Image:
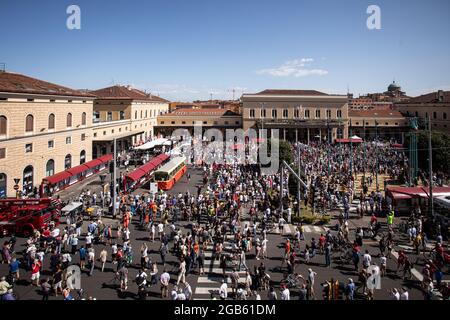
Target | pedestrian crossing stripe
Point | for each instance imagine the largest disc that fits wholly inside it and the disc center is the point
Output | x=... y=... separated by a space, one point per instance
x=204 y=290
x=212 y=280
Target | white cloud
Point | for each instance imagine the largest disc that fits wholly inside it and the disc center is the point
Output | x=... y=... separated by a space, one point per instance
x=294 y=68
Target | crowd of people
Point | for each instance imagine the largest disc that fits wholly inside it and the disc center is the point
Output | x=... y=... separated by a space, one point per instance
x=234 y=202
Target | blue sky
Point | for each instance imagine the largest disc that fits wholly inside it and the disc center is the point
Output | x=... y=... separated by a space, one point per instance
x=187 y=49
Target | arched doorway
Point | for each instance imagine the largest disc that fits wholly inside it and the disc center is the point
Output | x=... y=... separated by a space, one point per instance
x=82 y=157
x=3 y=185
x=50 y=168
x=68 y=162
x=28 y=177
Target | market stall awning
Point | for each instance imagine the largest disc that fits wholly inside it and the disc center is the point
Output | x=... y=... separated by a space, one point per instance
x=351 y=140
x=152 y=144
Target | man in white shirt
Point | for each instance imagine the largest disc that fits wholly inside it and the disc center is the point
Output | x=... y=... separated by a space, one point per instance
x=404 y=295
x=181 y=295
x=285 y=294
x=88 y=240
x=395 y=294
x=174 y=293
x=223 y=291
x=367 y=259
x=164 y=279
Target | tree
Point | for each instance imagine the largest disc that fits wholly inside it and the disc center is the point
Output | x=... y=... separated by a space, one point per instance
x=441 y=151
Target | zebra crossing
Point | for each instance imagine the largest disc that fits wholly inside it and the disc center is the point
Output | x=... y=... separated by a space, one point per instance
x=209 y=284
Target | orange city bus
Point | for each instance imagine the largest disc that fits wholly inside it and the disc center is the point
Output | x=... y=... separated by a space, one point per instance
x=170 y=173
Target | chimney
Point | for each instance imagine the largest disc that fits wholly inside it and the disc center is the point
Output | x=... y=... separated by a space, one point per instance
x=440 y=96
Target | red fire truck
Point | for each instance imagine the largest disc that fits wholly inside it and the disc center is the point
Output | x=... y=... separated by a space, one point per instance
x=24 y=216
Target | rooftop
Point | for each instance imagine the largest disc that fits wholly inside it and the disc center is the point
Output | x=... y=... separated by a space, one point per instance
x=126 y=92
x=432 y=97
x=375 y=113
x=19 y=83
x=201 y=112
x=292 y=92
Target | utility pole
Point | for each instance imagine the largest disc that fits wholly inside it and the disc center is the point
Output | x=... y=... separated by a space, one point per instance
x=114 y=179
x=430 y=166
x=376 y=151
x=299 y=195
x=364 y=147
x=351 y=149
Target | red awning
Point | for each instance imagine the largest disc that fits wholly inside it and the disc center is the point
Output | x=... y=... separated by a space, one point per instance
x=106 y=158
x=61 y=176
x=77 y=170
x=149 y=166
x=93 y=163
x=135 y=175
x=397 y=146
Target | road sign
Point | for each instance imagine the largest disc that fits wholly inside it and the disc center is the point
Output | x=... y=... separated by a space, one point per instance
x=16 y=187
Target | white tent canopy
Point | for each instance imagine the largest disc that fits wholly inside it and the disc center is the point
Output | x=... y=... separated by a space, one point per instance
x=355 y=137
x=152 y=144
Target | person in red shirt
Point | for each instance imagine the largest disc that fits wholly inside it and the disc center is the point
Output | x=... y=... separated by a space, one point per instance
x=35 y=272
x=321 y=243
x=373 y=220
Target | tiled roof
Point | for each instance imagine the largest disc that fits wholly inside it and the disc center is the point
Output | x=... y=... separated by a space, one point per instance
x=122 y=92
x=18 y=83
x=201 y=112
x=428 y=98
x=292 y=92
x=381 y=113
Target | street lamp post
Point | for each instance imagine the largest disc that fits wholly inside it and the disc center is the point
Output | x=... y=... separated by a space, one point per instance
x=102 y=179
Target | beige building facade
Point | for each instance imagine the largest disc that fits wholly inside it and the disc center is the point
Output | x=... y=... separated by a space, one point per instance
x=44 y=129
x=435 y=105
x=125 y=114
x=221 y=119
x=299 y=115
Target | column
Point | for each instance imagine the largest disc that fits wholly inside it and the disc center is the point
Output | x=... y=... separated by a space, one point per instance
x=308 y=134
x=284 y=134
x=296 y=135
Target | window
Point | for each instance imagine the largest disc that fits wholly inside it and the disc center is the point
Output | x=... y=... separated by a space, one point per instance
x=285 y=113
x=28 y=175
x=3 y=125
x=2 y=153
x=172 y=122
x=104 y=133
x=396 y=123
x=112 y=131
x=68 y=140
x=50 y=168
x=386 y=124
x=28 y=148
x=274 y=113
x=328 y=114
x=120 y=129
x=339 y=114
x=69 y=120
x=444 y=116
x=417 y=114
x=146 y=113
x=252 y=113
x=317 y=114
x=83 y=136
x=51 y=121
x=216 y=122
x=29 y=123
x=52 y=100
x=122 y=115
x=135 y=114
x=109 y=116
x=434 y=115
x=162 y=122
x=67 y=162
x=142 y=114
x=82 y=157
x=51 y=144
x=297 y=113
x=96 y=116
x=83 y=119
x=226 y=122
x=307 y=114
x=183 y=122
x=30 y=100
x=69 y=101
x=263 y=113
x=236 y=122
x=205 y=122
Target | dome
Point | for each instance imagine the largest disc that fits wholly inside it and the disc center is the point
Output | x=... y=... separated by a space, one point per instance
x=394 y=87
